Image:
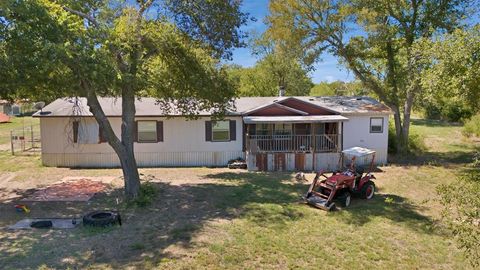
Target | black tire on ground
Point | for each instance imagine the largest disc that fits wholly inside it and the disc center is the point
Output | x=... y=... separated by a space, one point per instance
x=42 y=224
x=345 y=198
x=102 y=218
x=368 y=190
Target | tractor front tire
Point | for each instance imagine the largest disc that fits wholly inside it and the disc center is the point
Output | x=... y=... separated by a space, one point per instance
x=368 y=190
x=345 y=199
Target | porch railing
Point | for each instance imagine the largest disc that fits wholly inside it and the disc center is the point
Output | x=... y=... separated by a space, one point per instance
x=293 y=143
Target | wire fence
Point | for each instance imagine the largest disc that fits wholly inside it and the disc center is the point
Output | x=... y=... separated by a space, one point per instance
x=25 y=140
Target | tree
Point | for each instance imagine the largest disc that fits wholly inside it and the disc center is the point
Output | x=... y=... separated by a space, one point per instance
x=260 y=80
x=338 y=88
x=168 y=49
x=451 y=74
x=374 y=39
x=279 y=67
x=282 y=60
x=460 y=212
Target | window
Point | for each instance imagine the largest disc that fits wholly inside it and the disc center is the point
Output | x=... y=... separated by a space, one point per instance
x=147 y=131
x=85 y=132
x=221 y=131
x=262 y=129
x=283 y=129
x=376 y=125
x=319 y=128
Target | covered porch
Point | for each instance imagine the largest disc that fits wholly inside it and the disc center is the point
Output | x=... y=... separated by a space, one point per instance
x=292 y=142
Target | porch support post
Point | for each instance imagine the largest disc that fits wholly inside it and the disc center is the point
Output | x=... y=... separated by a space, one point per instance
x=314 y=144
x=340 y=137
x=312 y=137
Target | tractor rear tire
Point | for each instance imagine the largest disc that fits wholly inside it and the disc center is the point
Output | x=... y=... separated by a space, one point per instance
x=345 y=199
x=368 y=190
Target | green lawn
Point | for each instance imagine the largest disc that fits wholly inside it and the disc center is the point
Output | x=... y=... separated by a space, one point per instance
x=231 y=219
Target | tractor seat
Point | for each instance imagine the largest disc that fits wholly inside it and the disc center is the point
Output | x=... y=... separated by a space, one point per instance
x=359 y=170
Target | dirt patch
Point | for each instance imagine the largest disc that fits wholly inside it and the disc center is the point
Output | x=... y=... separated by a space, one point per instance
x=68 y=190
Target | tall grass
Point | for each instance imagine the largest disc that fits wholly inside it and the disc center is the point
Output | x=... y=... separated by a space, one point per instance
x=472 y=126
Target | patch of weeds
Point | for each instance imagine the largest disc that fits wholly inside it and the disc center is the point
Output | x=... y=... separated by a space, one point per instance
x=137 y=246
x=147 y=194
x=389 y=200
x=472 y=126
x=185 y=232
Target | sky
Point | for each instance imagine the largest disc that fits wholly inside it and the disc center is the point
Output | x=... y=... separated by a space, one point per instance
x=327 y=69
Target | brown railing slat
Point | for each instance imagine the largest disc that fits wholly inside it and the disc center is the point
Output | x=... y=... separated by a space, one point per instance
x=292 y=143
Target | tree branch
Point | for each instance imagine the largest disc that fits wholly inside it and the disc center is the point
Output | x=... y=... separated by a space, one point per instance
x=83 y=15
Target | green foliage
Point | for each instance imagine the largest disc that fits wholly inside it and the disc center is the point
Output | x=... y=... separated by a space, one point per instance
x=452 y=63
x=146 y=196
x=416 y=144
x=392 y=139
x=472 y=126
x=449 y=110
x=260 y=81
x=322 y=89
x=338 y=88
x=383 y=54
x=431 y=111
x=170 y=50
x=462 y=212
x=279 y=67
x=63 y=51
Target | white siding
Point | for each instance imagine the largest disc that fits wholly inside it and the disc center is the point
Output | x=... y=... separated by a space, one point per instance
x=184 y=144
x=356 y=132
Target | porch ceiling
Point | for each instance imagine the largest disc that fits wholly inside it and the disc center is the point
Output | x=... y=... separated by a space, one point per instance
x=294 y=119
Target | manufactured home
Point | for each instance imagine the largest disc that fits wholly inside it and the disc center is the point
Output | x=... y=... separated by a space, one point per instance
x=270 y=133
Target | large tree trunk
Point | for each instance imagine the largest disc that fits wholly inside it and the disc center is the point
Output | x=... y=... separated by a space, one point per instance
x=123 y=148
x=129 y=165
x=401 y=140
x=130 y=174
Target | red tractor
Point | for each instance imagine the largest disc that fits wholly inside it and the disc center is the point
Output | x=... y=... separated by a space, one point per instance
x=340 y=187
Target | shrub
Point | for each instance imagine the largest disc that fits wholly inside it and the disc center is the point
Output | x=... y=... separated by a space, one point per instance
x=472 y=126
x=392 y=139
x=450 y=110
x=147 y=194
x=415 y=142
x=461 y=212
x=432 y=111
x=456 y=111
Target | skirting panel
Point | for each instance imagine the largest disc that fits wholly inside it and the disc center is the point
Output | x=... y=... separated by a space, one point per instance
x=310 y=162
x=168 y=159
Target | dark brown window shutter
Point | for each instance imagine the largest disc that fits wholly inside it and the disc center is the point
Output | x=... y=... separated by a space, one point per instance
x=75 y=131
x=233 y=130
x=159 y=131
x=208 y=131
x=135 y=131
x=101 y=137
